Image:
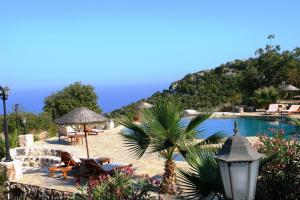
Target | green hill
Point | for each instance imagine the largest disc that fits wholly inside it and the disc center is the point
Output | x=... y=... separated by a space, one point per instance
x=231 y=83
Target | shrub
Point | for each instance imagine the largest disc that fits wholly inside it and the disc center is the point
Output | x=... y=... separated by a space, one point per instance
x=120 y=186
x=265 y=96
x=34 y=122
x=13 y=142
x=279 y=176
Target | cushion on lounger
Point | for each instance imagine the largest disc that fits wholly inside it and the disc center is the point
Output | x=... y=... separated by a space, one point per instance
x=113 y=165
x=70 y=129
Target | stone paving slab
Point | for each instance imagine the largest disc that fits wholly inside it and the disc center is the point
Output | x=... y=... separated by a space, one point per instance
x=41 y=178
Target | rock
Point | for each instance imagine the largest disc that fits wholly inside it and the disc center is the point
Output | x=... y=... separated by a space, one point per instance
x=25 y=140
x=12 y=169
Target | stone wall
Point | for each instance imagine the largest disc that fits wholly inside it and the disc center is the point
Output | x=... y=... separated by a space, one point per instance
x=12 y=170
x=25 y=140
x=34 y=157
x=27 y=158
x=14 y=190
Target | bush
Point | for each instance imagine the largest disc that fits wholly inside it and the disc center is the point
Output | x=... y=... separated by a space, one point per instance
x=279 y=176
x=13 y=142
x=120 y=186
x=34 y=122
x=265 y=96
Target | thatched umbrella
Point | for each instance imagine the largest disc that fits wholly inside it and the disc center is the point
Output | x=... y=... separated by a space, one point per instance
x=296 y=97
x=81 y=116
x=140 y=106
x=288 y=88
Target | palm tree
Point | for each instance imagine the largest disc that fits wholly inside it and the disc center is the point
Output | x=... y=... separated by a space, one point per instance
x=163 y=131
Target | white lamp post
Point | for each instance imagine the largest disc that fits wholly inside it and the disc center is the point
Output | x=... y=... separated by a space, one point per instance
x=238 y=163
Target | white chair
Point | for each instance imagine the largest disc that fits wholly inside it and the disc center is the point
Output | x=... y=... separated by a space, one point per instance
x=273 y=108
x=291 y=110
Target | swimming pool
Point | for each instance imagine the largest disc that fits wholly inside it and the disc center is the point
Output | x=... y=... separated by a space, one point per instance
x=249 y=126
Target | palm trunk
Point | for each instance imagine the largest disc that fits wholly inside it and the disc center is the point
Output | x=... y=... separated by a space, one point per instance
x=168 y=185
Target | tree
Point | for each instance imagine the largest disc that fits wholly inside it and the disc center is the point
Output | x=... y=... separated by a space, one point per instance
x=163 y=131
x=72 y=96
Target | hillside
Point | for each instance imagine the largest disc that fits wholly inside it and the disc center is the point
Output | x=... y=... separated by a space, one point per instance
x=231 y=83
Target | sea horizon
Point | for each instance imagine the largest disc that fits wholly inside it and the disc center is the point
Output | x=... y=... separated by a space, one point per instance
x=109 y=97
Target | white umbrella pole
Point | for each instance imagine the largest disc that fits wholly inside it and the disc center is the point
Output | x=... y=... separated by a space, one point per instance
x=86 y=141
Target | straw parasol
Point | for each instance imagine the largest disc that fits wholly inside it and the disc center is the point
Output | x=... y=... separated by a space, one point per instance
x=288 y=88
x=191 y=112
x=144 y=105
x=296 y=97
x=83 y=116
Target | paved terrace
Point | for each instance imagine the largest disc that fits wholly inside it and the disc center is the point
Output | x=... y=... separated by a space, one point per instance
x=106 y=144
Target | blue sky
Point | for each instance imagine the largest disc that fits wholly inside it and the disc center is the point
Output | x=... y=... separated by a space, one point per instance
x=131 y=47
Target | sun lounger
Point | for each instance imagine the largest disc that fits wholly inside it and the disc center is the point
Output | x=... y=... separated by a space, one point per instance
x=293 y=109
x=94 y=168
x=66 y=165
x=68 y=160
x=273 y=108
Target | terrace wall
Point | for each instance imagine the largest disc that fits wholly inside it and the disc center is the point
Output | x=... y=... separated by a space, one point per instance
x=34 y=157
x=14 y=190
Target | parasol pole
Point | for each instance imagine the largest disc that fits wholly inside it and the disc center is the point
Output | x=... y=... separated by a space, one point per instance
x=86 y=142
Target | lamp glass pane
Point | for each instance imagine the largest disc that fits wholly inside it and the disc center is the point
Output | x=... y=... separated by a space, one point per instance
x=224 y=169
x=253 y=178
x=239 y=179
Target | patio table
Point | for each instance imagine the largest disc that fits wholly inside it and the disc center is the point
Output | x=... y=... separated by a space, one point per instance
x=76 y=138
x=64 y=170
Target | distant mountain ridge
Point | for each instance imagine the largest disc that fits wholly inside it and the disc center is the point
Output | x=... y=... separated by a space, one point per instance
x=231 y=83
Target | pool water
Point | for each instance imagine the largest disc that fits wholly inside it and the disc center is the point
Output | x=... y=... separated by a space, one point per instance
x=249 y=126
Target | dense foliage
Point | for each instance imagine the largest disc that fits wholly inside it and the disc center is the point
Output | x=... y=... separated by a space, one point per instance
x=35 y=123
x=72 y=96
x=279 y=178
x=13 y=142
x=120 y=186
x=232 y=83
x=265 y=96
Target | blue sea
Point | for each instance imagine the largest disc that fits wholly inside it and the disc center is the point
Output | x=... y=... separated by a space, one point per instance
x=110 y=98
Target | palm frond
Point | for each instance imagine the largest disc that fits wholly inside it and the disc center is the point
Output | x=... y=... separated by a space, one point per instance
x=215 y=138
x=195 y=122
x=165 y=125
x=202 y=180
x=135 y=137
